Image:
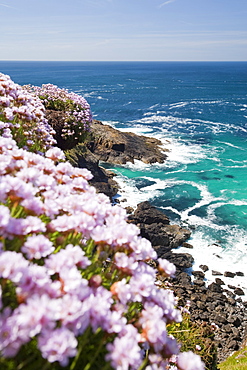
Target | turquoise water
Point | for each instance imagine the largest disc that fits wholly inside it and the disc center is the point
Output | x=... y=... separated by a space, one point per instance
x=199 y=111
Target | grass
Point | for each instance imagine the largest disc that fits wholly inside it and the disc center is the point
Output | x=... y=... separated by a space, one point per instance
x=238 y=361
x=193 y=335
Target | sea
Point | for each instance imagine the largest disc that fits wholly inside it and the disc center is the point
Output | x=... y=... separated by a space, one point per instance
x=199 y=112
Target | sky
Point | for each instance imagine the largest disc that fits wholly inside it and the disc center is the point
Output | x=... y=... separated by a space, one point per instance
x=123 y=30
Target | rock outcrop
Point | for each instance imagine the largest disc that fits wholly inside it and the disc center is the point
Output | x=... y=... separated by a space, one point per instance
x=102 y=179
x=155 y=226
x=116 y=147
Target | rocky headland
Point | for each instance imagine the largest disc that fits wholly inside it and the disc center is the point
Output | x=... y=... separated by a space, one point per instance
x=210 y=304
x=116 y=147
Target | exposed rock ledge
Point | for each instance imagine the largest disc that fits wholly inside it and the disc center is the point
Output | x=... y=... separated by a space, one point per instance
x=116 y=147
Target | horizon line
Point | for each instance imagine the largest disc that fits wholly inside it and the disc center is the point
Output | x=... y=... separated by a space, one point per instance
x=125 y=61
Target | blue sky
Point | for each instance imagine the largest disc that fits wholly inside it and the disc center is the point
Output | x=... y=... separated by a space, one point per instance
x=162 y=30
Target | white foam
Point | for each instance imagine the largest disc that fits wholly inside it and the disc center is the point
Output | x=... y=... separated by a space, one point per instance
x=180 y=152
x=231 y=145
x=130 y=195
x=178 y=105
x=110 y=123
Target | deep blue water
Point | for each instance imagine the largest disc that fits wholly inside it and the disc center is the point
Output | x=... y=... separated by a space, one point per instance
x=199 y=111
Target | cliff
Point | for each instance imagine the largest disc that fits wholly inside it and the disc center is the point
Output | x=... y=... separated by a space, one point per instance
x=211 y=304
x=116 y=147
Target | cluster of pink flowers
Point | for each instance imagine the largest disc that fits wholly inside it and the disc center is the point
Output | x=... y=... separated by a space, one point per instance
x=72 y=267
x=22 y=115
x=76 y=109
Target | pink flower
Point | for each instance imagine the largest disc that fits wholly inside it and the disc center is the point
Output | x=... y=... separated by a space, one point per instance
x=153 y=326
x=124 y=353
x=74 y=314
x=12 y=266
x=142 y=249
x=122 y=291
x=55 y=154
x=69 y=257
x=24 y=226
x=37 y=246
x=189 y=361
x=34 y=206
x=4 y=217
x=73 y=284
x=57 y=345
x=166 y=267
x=125 y=263
x=141 y=286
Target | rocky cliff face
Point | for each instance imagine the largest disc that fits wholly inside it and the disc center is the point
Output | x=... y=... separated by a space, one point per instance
x=102 y=179
x=116 y=147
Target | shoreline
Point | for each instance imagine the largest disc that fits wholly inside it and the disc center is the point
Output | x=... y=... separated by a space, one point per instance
x=210 y=304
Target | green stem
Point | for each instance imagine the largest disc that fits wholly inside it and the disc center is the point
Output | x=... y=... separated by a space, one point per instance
x=81 y=346
x=23 y=364
x=107 y=367
x=143 y=365
x=47 y=366
x=88 y=366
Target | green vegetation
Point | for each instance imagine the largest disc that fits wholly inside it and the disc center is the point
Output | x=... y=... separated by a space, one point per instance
x=238 y=361
x=197 y=337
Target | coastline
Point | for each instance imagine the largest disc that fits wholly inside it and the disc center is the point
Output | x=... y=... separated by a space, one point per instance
x=211 y=302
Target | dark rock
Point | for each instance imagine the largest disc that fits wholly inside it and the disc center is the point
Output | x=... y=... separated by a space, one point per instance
x=199 y=282
x=219 y=281
x=220 y=319
x=154 y=226
x=239 y=291
x=204 y=268
x=237 y=322
x=156 y=234
x=184 y=279
x=231 y=301
x=198 y=274
x=187 y=245
x=216 y=273
x=229 y=274
x=228 y=328
x=239 y=273
x=200 y=305
x=229 y=293
x=129 y=210
x=215 y=288
x=182 y=260
x=216 y=255
x=80 y=157
x=231 y=286
x=148 y=214
x=116 y=147
x=239 y=300
x=233 y=344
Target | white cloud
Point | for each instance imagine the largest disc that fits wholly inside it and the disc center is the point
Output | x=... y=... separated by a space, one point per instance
x=166 y=3
x=7 y=6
